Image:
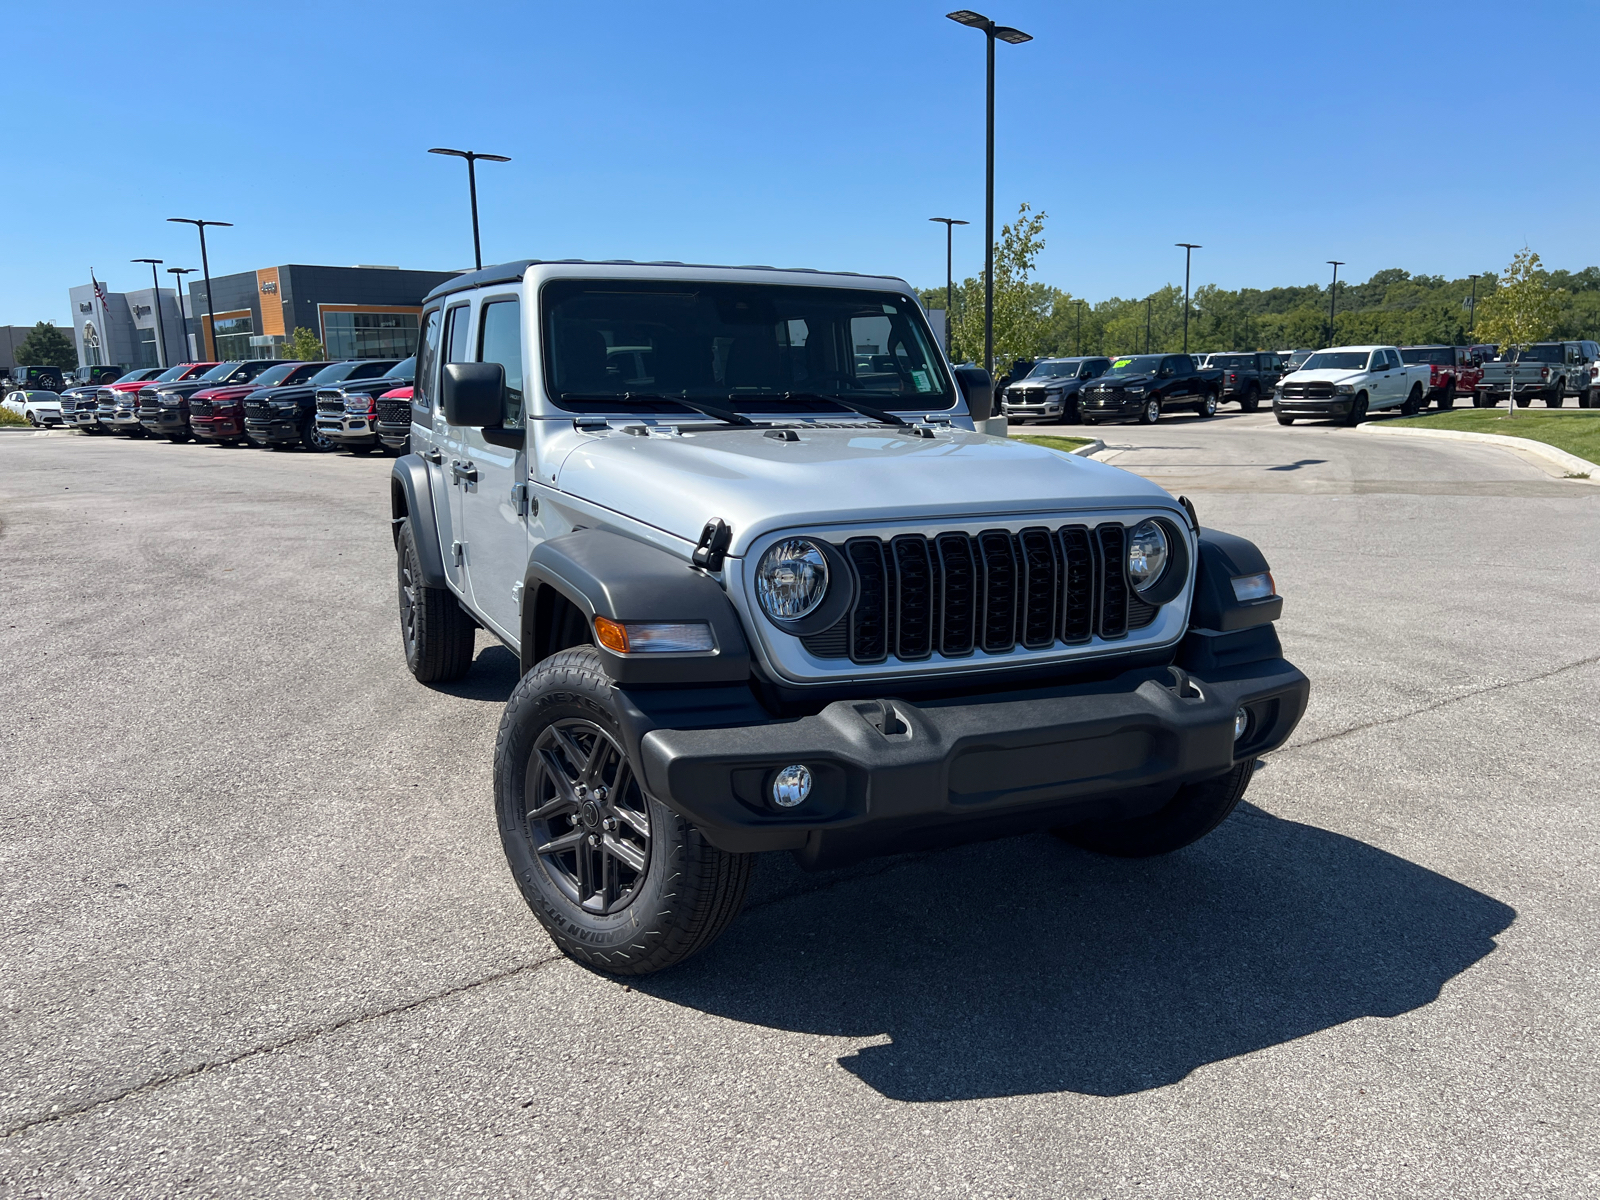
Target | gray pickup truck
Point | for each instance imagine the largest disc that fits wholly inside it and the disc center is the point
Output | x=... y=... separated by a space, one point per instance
x=1547 y=371
x=769 y=592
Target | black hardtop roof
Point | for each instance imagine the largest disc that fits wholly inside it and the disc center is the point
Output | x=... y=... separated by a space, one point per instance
x=510 y=272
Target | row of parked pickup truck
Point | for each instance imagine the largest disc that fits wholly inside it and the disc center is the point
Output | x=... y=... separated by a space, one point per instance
x=1344 y=382
x=359 y=405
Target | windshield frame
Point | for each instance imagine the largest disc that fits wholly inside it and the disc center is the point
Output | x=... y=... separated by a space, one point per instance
x=798 y=401
x=1151 y=364
x=1068 y=368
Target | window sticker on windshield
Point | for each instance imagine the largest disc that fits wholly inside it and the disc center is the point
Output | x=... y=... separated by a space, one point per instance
x=920 y=378
x=1121 y=362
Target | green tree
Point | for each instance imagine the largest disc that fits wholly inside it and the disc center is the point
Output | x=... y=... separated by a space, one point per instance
x=1521 y=310
x=1021 y=306
x=47 y=346
x=302 y=346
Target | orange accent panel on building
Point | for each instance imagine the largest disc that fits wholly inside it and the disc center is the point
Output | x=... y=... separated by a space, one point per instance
x=271 y=302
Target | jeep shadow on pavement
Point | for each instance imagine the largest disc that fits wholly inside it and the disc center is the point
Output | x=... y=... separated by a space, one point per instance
x=769 y=590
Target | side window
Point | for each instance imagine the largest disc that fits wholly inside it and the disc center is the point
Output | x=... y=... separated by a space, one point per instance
x=1393 y=357
x=428 y=360
x=455 y=334
x=500 y=341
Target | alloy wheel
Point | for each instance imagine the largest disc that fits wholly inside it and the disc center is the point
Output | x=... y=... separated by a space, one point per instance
x=587 y=816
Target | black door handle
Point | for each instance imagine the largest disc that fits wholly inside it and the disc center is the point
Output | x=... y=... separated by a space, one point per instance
x=463 y=471
x=433 y=456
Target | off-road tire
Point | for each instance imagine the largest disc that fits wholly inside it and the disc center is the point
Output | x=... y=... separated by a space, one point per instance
x=1555 y=397
x=1358 y=410
x=1586 y=398
x=1447 y=398
x=1251 y=401
x=436 y=632
x=1195 y=811
x=688 y=892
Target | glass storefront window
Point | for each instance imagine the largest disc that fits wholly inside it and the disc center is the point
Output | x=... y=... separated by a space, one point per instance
x=144 y=348
x=369 y=335
x=233 y=338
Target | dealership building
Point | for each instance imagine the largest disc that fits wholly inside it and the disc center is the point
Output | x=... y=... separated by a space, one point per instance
x=355 y=312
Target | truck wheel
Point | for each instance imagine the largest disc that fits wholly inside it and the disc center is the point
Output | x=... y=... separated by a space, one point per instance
x=1283 y=420
x=1208 y=406
x=1358 y=410
x=1195 y=811
x=1586 y=398
x=438 y=635
x=1251 y=401
x=1415 y=402
x=1150 y=413
x=1556 y=396
x=313 y=438
x=1447 y=398
x=1523 y=401
x=619 y=881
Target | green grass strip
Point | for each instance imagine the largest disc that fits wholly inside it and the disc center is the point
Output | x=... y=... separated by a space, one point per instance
x=1575 y=434
x=1064 y=444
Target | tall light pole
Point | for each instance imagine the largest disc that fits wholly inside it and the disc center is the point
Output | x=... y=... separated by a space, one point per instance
x=472 y=157
x=1472 y=308
x=1188 y=249
x=177 y=274
x=1080 y=329
x=949 y=279
x=991 y=31
x=161 y=329
x=210 y=327
x=1333 y=296
x=1147 y=300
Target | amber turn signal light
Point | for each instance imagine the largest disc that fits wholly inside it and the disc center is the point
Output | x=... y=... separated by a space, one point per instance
x=613 y=635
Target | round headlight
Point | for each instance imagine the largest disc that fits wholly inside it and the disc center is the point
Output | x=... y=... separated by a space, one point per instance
x=1147 y=554
x=792 y=579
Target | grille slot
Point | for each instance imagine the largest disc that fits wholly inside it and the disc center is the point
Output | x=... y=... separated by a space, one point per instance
x=199 y=408
x=1308 y=391
x=331 y=403
x=954 y=592
x=394 y=412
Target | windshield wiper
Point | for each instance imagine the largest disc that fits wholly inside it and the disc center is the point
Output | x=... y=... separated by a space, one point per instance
x=866 y=410
x=700 y=406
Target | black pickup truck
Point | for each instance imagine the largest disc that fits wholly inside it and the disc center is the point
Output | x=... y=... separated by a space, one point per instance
x=1140 y=387
x=1246 y=375
x=287 y=416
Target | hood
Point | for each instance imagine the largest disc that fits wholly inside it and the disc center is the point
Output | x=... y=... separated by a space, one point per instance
x=1122 y=381
x=1325 y=376
x=399 y=393
x=834 y=476
x=228 y=391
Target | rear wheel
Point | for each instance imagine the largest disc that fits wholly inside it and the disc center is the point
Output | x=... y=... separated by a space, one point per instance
x=1447 y=398
x=619 y=881
x=1555 y=397
x=1415 y=401
x=1251 y=401
x=437 y=632
x=1195 y=811
x=1208 y=406
x=1150 y=413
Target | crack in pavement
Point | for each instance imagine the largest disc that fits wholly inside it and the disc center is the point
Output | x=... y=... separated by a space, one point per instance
x=161 y=1081
x=1434 y=707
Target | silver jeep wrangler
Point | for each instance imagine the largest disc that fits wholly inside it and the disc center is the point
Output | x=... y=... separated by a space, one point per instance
x=771 y=591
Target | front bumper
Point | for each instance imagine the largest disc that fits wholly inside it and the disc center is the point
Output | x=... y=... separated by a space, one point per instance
x=395 y=436
x=1331 y=406
x=890 y=775
x=164 y=422
x=274 y=432
x=218 y=427
x=348 y=429
x=122 y=420
x=1129 y=406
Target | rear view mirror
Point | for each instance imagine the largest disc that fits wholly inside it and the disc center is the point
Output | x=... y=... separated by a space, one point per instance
x=978 y=391
x=473 y=394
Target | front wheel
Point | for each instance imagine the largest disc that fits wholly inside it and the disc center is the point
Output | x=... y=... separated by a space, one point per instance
x=1555 y=397
x=1150 y=413
x=314 y=439
x=438 y=635
x=1195 y=811
x=1358 y=410
x=1283 y=420
x=1586 y=398
x=1523 y=401
x=619 y=881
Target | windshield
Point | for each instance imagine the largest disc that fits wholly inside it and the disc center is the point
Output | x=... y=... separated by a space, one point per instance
x=1336 y=360
x=1231 y=362
x=1061 y=367
x=1442 y=356
x=334 y=374
x=1544 y=354
x=1139 y=364
x=405 y=369
x=220 y=371
x=752 y=347
x=273 y=376
x=170 y=374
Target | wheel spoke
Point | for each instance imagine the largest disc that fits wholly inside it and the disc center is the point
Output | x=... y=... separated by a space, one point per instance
x=608 y=878
x=565 y=842
x=557 y=771
x=574 y=753
x=635 y=820
x=591 y=764
x=631 y=856
x=550 y=809
x=585 y=868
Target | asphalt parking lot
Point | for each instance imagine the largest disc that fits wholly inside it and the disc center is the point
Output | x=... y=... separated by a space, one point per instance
x=261 y=941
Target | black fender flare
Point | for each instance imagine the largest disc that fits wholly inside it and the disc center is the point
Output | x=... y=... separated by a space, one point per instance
x=1223 y=558
x=411 y=496
x=608 y=575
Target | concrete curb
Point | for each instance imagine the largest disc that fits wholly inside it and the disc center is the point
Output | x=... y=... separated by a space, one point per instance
x=1093 y=447
x=1570 y=463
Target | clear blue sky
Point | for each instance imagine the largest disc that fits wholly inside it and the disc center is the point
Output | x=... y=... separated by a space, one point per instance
x=819 y=134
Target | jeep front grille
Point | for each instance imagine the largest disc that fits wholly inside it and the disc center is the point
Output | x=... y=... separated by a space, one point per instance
x=995 y=591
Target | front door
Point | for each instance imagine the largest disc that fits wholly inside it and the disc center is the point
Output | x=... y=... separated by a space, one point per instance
x=494 y=518
x=444 y=453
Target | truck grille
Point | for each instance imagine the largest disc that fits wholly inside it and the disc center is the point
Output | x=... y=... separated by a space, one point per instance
x=1104 y=395
x=330 y=402
x=258 y=410
x=199 y=408
x=1308 y=391
x=955 y=593
x=394 y=412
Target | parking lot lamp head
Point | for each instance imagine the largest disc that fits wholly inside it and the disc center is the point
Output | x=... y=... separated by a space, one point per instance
x=161 y=329
x=949 y=280
x=208 y=331
x=1188 y=249
x=1333 y=293
x=1005 y=33
x=472 y=157
x=177 y=274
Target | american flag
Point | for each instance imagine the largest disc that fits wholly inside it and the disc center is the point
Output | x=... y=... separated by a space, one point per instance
x=98 y=290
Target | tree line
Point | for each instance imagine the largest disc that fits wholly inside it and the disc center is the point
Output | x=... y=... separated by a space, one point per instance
x=1033 y=319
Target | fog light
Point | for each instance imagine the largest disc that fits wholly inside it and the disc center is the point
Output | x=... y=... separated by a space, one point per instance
x=791 y=786
x=1241 y=722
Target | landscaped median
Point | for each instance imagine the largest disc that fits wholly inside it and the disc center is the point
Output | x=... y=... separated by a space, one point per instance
x=1574 y=437
x=1067 y=445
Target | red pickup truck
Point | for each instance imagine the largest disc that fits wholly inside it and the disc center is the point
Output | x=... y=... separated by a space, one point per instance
x=1451 y=369
x=217 y=414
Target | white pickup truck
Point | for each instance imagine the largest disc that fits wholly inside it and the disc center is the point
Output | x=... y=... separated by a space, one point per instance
x=1348 y=382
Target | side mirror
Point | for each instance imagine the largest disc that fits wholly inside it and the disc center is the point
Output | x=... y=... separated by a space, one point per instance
x=473 y=393
x=978 y=391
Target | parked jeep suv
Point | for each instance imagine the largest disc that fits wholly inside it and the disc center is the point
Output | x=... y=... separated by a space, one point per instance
x=283 y=417
x=1247 y=376
x=769 y=597
x=347 y=413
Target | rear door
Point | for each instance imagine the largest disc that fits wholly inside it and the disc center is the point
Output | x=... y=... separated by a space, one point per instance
x=445 y=449
x=495 y=525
